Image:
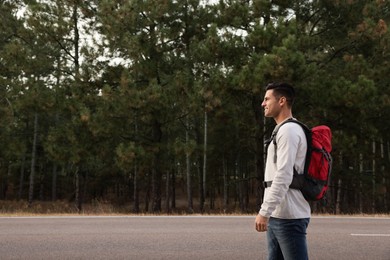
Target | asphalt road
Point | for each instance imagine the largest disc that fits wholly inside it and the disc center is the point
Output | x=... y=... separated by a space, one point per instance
x=190 y=237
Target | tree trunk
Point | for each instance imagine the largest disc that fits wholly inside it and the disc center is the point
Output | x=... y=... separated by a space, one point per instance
x=361 y=169
x=188 y=170
x=5 y=186
x=21 y=180
x=385 y=196
x=41 y=182
x=338 y=199
x=200 y=170
x=135 y=183
x=77 y=190
x=240 y=191
x=76 y=40
x=245 y=195
x=167 y=192
x=33 y=161
x=373 y=203
x=55 y=166
x=225 y=185
x=156 y=169
x=147 y=195
x=156 y=188
x=383 y=190
x=204 y=188
x=173 y=193
x=54 y=183
x=135 y=192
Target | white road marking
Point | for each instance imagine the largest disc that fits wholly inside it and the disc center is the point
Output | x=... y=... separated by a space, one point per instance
x=371 y=235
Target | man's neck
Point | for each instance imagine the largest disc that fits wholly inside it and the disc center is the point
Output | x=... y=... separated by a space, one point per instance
x=282 y=117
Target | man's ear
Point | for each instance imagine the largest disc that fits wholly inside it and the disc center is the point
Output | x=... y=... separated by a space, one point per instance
x=282 y=101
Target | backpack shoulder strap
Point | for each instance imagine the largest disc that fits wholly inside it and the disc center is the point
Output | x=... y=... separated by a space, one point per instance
x=273 y=137
x=306 y=130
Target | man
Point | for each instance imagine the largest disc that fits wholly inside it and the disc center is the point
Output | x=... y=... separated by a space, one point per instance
x=285 y=213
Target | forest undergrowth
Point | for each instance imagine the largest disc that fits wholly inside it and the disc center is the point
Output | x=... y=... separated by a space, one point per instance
x=21 y=208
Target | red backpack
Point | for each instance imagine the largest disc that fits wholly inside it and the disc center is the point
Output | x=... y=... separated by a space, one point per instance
x=314 y=181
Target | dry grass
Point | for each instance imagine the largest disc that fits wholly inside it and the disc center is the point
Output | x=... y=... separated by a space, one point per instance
x=103 y=208
x=21 y=208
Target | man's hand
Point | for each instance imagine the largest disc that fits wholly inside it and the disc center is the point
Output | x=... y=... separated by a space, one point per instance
x=261 y=223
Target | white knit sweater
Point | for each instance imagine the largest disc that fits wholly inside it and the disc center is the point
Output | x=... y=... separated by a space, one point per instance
x=280 y=201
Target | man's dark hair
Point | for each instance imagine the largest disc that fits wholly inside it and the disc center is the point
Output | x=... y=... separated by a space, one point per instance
x=282 y=89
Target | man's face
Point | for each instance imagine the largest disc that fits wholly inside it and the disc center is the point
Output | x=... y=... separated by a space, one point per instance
x=271 y=104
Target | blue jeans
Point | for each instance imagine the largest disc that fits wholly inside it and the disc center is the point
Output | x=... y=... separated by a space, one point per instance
x=287 y=239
